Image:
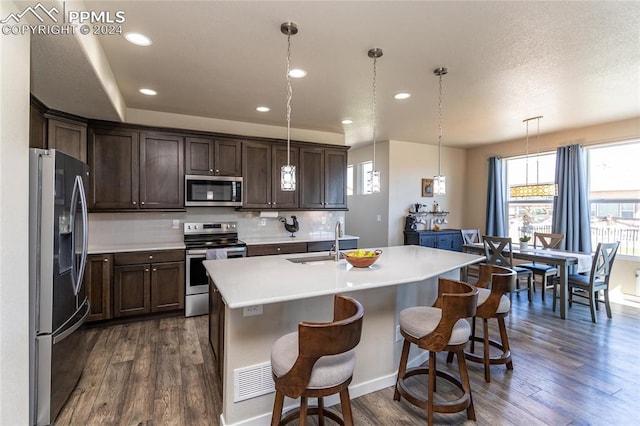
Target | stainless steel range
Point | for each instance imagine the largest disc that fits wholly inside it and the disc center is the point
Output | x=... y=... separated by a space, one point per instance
x=203 y=241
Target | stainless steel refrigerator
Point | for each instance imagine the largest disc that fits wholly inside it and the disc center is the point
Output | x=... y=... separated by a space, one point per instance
x=58 y=303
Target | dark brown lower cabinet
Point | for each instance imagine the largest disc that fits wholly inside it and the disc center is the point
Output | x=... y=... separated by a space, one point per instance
x=154 y=286
x=97 y=279
x=216 y=328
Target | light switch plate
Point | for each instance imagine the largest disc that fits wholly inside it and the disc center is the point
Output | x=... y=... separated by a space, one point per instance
x=175 y=224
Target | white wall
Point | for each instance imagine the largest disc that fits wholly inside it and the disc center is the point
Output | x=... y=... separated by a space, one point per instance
x=14 y=207
x=403 y=165
x=410 y=162
x=362 y=218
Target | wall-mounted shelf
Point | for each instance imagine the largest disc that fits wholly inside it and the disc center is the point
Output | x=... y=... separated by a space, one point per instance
x=436 y=214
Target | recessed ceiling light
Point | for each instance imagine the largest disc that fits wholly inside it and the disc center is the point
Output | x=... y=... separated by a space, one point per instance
x=297 y=73
x=149 y=92
x=138 y=39
x=402 y=95
x=347 y=121
x=263 y=109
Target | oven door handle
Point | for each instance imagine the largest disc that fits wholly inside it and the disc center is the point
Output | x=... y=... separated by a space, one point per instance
x=203 y=252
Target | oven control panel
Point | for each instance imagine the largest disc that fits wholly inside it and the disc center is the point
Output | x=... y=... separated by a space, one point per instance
x=210 y=228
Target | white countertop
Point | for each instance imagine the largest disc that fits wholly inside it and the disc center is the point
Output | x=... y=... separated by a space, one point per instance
x=250 y=241
x=119 y=248
x=270 y=279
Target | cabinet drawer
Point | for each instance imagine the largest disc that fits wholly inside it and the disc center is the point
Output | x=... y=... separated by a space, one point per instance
x=271 y=249
x=139 y=257
x=328 y=245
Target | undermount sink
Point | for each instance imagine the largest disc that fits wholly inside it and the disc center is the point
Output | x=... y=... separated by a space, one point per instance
x=312 y=259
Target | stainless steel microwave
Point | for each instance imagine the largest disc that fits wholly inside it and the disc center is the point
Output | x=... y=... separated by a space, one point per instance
x=212 y=191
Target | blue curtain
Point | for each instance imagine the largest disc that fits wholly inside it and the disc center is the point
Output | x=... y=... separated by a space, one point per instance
x=571 y=206
x=495 y=225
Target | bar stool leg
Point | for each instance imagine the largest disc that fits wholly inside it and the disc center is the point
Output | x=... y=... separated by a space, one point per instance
x=505 y=341
x=432 y=386
x=303 y=411
x=487 y=361
x=277 y=409
x=402 y=368
x=466 y=385
x=320 y=411
x=345 y=402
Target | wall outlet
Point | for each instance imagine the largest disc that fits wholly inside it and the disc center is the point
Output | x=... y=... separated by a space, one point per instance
x=323 y=220
x=398 y=334
x=249 y=311
x=263 y=222
x=175 y=224
x=379 y=218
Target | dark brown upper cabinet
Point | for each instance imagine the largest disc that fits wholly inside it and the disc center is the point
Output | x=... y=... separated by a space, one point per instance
x=213 y=156
x=68 y=137
x=261 y=163
x=135 y=171
x=323 y=178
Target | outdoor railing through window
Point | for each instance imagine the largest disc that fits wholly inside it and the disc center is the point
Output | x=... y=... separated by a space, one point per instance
x=629 y=239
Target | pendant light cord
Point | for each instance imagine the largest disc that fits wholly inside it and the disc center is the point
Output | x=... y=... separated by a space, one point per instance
x=289 y=95
x=375 y=60
x=526 y=177
x=439 y=123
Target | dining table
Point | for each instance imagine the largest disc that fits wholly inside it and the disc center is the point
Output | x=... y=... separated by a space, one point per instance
x=564 y=261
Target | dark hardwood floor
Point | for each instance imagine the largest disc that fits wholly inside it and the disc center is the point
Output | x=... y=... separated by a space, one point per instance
x=565 y=372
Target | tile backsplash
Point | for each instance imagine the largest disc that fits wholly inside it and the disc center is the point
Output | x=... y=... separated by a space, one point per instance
x=156 y=227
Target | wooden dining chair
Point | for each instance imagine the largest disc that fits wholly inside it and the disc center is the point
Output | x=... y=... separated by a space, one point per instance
x=589 y=286
x=317 y=361
x=546 y=272
x=471 y=236
x=499 y=251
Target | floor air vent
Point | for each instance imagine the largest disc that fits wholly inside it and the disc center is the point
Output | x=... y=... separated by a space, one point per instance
x=252 y=381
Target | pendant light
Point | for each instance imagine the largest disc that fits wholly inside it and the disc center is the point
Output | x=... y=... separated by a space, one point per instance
x=537 y=190
x=288 y=171
x=439 y=181
x=374 y=175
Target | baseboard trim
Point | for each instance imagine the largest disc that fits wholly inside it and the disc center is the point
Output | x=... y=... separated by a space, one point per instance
x=354 y=391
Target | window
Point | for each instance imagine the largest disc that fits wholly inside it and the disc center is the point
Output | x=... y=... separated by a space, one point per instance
x=614 y=194
x=350 y=179
x=365 y=177
x=539 y=211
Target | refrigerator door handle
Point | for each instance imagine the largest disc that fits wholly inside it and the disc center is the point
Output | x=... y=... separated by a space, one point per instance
x=85 y=233
x=78 y=270
x=60 y=337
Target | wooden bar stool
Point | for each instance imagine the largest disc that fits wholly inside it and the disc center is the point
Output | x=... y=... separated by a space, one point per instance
x=317 y=361
x=436 y=329
x=493 y=283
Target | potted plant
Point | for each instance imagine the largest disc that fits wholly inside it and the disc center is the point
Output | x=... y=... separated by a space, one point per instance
x=524 y=242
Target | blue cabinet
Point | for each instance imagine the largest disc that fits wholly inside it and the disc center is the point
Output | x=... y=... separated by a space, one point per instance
x=446 y=239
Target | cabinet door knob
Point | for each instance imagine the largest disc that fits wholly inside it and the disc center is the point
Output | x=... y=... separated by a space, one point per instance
x=106 y=259
x=278 y=248
x=155 y=270
x=134 y=203
x=146 y=269
x=142 y=203
x=217 y=171
x=274 y=203
x=210 y=170
x=150 y=256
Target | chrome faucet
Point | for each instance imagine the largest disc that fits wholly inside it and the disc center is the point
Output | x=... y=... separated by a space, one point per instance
x=336 y=244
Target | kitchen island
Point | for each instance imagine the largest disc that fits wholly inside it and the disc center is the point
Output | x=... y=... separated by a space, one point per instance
x=256 y=300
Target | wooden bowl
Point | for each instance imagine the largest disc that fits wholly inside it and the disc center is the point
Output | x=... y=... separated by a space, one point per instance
x=361 y=262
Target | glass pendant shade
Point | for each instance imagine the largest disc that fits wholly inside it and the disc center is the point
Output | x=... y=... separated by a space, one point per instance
x=288 y=178
x=532 y=191
x=439 y=185
x=375 y=181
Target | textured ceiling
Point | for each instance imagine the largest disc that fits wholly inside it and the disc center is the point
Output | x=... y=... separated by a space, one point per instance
x=576 y=63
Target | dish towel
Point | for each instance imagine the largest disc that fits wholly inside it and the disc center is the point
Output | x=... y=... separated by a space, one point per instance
x=216 y=254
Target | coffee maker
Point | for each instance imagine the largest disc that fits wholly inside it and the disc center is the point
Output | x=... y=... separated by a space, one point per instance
x=410 y=223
